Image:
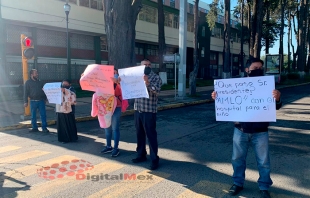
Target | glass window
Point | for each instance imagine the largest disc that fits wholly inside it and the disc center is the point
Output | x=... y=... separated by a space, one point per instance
x=172 y=3
x=148 y=14
x=152 y=50
x=202 y=54
x=203 y=31
x=84 y=3
x=191 y=8
x=212 y=56
x=94 y=4
x=70 y=1
x=190 y=24
x=103 y=43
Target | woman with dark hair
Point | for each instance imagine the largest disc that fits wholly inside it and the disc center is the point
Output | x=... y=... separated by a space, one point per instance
x=66 y=126
x=115 y=123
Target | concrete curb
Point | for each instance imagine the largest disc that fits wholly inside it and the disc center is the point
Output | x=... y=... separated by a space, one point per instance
x=27 y=124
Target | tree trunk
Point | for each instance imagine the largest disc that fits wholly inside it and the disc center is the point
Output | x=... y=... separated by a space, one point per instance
x=227 y=35
x=289 y=41
x=281 y=34
x=256 y=28
x=258 y=34
x=308 y=44
x=249 y=20
x=161 y=36
x=253 y=27
x=120 y=21
x=267 y=22
x=302 y=36
x=193 y=74
x=294 y=64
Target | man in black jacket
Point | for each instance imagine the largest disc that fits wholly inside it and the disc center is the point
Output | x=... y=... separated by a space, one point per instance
x=255 y=133
x=33 y=89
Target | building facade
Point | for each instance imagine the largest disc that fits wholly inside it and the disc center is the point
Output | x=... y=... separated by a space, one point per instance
x=45 y=21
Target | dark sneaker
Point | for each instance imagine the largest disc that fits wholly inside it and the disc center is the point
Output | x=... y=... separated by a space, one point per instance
x=45 y=131
x=264 y=194
x=115 y=152
x=106 y=150
x=34 y=130
x=139 y=159
x=234 y=190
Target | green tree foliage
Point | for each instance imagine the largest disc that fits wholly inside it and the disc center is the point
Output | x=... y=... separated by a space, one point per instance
x=212 y=13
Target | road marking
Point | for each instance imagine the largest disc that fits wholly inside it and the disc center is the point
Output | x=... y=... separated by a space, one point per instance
x=26 y=171
x=51 y=187
x=199 y=190
x=8 y=148
x=125 y=187
x=21 y=157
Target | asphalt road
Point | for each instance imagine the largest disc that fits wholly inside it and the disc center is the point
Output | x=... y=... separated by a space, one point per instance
x=195 y=153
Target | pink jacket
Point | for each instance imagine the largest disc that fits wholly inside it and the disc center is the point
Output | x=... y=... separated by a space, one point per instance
x=103 y=106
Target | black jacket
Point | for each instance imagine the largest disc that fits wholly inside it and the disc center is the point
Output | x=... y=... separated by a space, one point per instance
x=33 y=90
x=255 y=127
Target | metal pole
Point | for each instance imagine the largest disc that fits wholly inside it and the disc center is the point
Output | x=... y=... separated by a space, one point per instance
x=68 y=56
x=182 y=48
x=175 y=76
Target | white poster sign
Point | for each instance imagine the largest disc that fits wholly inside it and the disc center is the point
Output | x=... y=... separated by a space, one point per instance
x=53 y=92
x=245 y=99
x=132 y=82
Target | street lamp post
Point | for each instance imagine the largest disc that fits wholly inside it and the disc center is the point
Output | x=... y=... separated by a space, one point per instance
x=67 y=8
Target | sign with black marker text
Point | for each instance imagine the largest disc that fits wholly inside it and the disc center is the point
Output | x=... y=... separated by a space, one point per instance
x=245 y=99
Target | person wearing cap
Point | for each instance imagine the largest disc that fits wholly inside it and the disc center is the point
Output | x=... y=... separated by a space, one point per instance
x=255 y=134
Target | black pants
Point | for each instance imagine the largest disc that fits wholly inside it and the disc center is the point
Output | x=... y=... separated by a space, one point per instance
x=146 y=126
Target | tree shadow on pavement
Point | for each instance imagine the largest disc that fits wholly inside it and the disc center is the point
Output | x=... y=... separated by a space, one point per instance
x=11 y=191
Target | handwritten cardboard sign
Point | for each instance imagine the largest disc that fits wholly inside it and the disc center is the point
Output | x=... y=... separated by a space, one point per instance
x=245 y=99
x=132 y=82
x=53 y=92
x=98 y=78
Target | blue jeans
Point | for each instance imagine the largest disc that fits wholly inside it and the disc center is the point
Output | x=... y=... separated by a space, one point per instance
x=34 y=105
x=241 y=143
x=116 y=117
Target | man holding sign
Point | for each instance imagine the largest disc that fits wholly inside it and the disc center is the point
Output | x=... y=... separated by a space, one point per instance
x=145 y=117
x=255 y=133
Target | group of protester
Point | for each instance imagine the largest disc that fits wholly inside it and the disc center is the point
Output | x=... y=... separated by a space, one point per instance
x=245 y=133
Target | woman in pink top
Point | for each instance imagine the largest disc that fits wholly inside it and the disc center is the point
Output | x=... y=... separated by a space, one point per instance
x=115 y=121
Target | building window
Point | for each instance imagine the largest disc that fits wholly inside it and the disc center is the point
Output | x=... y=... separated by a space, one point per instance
x=80 y=41
x=172 y=3
x=219 y=19
x=212 y=56
x=94 y=4
x=84 y=3
x=191 y=8
x=203 y=31
x=152 y=50
x=103 y=43
x=202 y=54
x=190 y=24
x=217 y=32
x=70 y=1
x=139 y=49
x=148 y=14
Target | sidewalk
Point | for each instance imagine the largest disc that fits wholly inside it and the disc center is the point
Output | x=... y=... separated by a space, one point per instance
x=11 y=111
